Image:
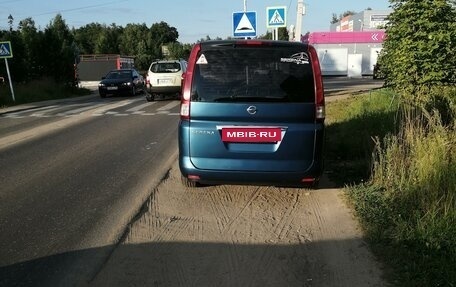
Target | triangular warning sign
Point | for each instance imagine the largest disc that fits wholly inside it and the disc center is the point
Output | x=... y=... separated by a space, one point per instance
x=244 y=25
x=202 y=60
x=276 y=18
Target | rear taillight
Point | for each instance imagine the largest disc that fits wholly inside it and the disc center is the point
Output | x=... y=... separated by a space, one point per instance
x=319 y=90
x=187 y=83
x=320 y=112
x=185 y=110
x=308 y=180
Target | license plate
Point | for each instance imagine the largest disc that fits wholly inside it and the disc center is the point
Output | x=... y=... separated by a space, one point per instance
x=251 y=135
x=112 y=88
x=165 y=81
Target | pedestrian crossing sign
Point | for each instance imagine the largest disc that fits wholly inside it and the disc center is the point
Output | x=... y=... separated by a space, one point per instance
x=244 y=24
x=276 y=17
x=5 y=50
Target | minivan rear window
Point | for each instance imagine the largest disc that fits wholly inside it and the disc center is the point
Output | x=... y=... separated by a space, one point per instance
x=253 y=73
x=165 y=67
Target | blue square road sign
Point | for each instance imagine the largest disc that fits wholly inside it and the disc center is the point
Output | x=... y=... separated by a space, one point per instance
x=276 y=17
x=244 y=24
x=5 y=50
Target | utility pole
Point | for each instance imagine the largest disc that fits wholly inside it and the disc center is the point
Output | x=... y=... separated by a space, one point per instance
x=301 y=11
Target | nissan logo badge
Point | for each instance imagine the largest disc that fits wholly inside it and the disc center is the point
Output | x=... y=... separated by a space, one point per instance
x=252 y=110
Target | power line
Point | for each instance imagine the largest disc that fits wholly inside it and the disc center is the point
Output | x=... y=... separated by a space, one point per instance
x=81 y=8
x=71 y=9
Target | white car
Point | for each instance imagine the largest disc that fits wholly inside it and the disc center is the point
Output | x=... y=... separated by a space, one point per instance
x=164 y=78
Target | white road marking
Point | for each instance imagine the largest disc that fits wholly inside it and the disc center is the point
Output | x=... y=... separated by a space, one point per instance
x=45 y=113
x=169 y=106
x=140 y=107
x=98 y=109
x=81 y=110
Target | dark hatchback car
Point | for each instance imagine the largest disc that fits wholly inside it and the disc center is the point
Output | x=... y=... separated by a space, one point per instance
x=121 y=82
x=252 y=112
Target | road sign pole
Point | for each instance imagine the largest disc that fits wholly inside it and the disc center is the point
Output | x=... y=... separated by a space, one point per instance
x=9 y=79
x=245 y=10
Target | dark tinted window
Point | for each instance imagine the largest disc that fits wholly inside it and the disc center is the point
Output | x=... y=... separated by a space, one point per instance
x=165 y=67
x=119 y=75
x=266 y=74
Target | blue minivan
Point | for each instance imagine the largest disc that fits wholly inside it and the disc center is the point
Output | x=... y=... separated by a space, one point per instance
x=252 y=112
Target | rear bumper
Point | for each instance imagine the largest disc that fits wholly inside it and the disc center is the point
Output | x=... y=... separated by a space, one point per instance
x=255 y=178
x=164 y=90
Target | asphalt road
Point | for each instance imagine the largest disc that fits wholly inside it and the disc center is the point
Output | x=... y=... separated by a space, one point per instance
x=337 y=85
x=75 y=172
x=73 y=176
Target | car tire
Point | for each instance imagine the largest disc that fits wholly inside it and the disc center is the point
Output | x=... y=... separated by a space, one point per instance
x=133 y=91
x=315 y=184
x=102 y=95
x=149 y=97
x=188 y=183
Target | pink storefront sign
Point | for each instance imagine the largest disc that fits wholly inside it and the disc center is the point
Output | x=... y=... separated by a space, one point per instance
x=345 y=37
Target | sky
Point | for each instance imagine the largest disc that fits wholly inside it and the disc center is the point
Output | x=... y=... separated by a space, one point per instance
x=193 y=19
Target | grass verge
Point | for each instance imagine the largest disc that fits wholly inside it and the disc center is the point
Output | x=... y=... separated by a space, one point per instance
x=351 y=125
x=399 y=167
x=36 y=91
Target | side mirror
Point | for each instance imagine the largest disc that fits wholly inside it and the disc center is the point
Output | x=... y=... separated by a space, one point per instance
x=103 y=78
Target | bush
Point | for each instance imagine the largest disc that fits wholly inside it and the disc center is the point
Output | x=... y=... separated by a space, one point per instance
x=40 y=90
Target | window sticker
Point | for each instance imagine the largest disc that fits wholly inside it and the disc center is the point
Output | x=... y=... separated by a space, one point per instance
x=202 y=60
x=298 y=58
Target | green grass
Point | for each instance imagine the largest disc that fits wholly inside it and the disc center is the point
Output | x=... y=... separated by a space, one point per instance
x=36 y=91
x=351 y=125
x=406 y=201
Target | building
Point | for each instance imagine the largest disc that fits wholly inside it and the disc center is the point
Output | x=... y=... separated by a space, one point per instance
x=367 y=20
x=352 y=45
x=93 y=67
x=351 y=54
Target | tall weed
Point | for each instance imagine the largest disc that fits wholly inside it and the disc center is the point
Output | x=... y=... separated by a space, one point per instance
x=413 y=183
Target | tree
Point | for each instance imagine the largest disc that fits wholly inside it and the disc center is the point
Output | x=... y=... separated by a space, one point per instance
x=179 y=51
x=10 y=22
x=160 y=34
x=59 y=54
x=134 y=42
x=87 y=37
x=283 y=35
x=208 y=38
x=31 y=41
x=419 y=49
x=336 y=19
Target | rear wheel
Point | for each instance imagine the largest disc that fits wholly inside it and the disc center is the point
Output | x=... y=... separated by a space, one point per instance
x=149 y=97
x=315 y=184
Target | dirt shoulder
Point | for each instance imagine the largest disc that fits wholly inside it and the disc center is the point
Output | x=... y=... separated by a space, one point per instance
x=242 y=236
